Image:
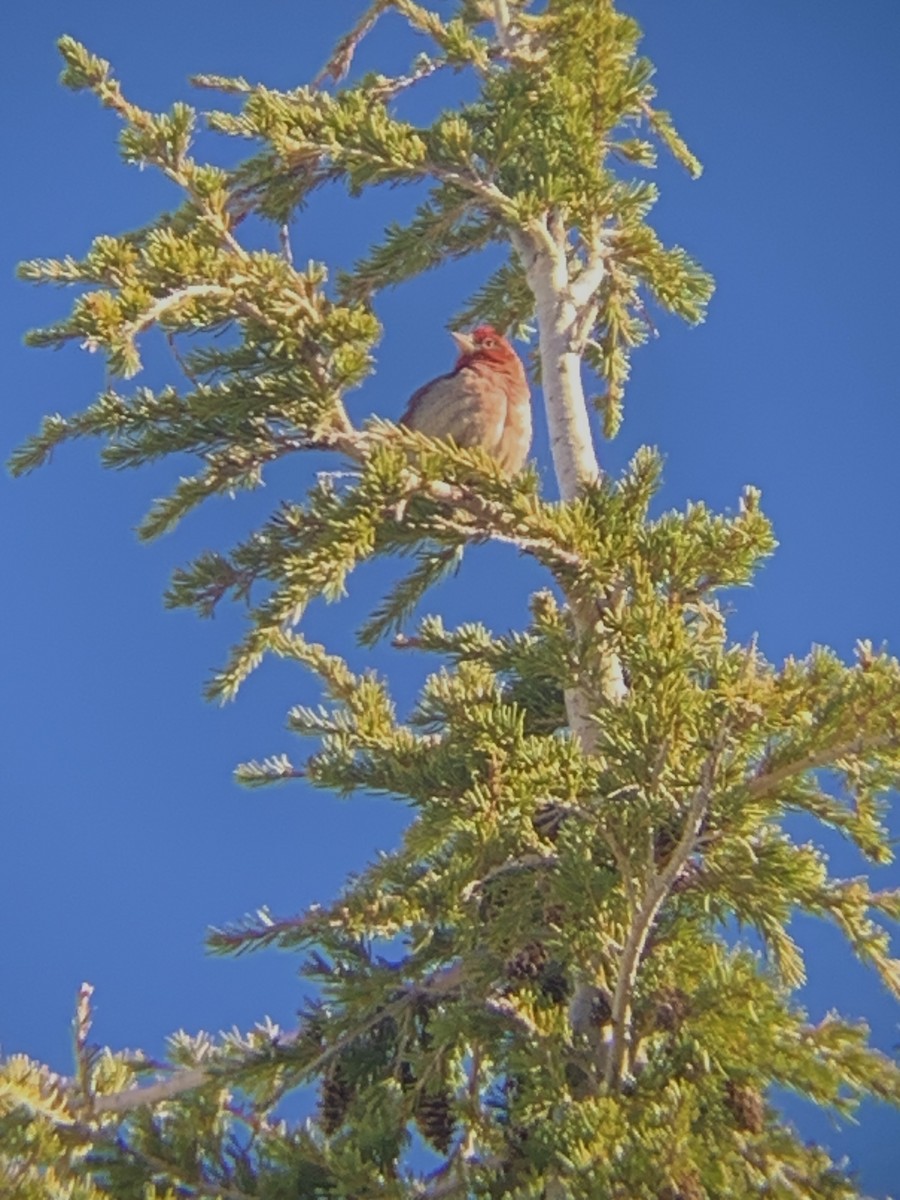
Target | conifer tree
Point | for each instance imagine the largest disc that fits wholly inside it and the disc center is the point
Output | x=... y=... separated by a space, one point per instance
x=597 y=797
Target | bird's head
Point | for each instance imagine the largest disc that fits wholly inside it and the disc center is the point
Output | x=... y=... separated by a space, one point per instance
x=483 y=344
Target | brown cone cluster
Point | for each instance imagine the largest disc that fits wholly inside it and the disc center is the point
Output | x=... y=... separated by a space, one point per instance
x=747 y=1106
x=335 y=1096
x=672 y=1008
x=527 y=963
x=532 y=964
x=688 y=1187
x=435 y=1121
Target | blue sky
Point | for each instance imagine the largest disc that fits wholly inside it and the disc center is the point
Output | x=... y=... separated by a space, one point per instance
x=124 y=835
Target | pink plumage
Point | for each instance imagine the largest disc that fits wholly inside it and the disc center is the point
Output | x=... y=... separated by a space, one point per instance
x=484 y=401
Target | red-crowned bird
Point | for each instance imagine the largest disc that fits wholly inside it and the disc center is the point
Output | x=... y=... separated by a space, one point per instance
x=484 y=401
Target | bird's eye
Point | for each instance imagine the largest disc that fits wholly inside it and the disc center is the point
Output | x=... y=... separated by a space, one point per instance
x=488 y=343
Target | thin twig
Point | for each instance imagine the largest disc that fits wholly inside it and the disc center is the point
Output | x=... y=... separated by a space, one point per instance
x=180 y=359
x=440 y=983
x=444 y=1185
x=82 y=1027
x=403 y=641
x=621 y=860
x=192 y=291
x=342 y=56
x=394 y=85
x=644 y=314
x=526 y=862
x=160 y=1166
x=767 y=781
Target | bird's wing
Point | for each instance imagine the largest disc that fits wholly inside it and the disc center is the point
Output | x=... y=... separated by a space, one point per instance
x=465 y=405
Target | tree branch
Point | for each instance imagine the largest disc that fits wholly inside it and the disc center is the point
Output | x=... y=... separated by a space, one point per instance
x=153 y=1093
x=585 y=284
x=571 y=442
x=448 y=1184
x=193 y=291
x=526 y=862
x=502 y=22
x=767 y=781
x=622 y=863
x=543 y=256
x=157 y=1165
x=541 y=548
x=358 y=446
x=654 y=897
x=342 y=56
x=392 y=86
x=440 y=983
x=490 y=196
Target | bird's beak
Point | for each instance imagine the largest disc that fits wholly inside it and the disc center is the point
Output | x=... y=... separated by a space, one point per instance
x=464 y=343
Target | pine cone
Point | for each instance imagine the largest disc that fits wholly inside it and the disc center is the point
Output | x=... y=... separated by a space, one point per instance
x=335 y=1095
x=688 y=1187
x=435 y=1120
x=747 y=1105
x=601 y=1008
x=547 y=821
x=672 y=1006
x=665 y=839
x=527 y=963
x=554 y=983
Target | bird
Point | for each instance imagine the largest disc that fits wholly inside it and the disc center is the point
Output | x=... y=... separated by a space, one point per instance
x=484 y=401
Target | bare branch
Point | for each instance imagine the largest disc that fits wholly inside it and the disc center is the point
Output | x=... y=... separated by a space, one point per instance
x=342 y=56
x=193 y=291
x=153 y=1093
x=586 y=283
x=181 y=361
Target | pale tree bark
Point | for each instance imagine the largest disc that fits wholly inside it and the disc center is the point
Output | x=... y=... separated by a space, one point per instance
x=560 y=320
x=543 y=255
x=565 y=308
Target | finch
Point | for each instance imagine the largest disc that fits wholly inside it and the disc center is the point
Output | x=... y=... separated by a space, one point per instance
x=484 y=401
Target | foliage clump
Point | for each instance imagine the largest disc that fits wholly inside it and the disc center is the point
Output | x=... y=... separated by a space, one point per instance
x=538 y=983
